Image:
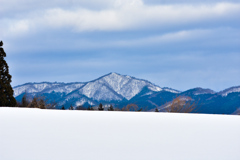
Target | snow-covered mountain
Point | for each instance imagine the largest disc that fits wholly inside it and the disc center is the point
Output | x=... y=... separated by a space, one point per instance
x=121 y=90
x=46 y=87
x=171 y=90
x=198 y=91
x=110 y=87
x=114 y=86
x=225 y=92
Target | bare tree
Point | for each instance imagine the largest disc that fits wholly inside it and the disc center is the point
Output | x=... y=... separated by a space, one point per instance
x=51 y=105
x=130 y=107
x=40 y=102
x=237 y=112
x=33 y=103
x=181 y=105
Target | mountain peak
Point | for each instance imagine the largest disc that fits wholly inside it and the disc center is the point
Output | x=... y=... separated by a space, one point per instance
x=199 y=91
x=114 y=74
x=112 y=86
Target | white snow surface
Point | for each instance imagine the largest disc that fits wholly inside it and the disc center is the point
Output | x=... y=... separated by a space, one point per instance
x=34 y=134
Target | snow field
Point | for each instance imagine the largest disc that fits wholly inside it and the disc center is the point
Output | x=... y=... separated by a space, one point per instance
x=34 y=134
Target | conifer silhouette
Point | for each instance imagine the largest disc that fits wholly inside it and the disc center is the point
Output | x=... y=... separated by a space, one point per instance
x=6 y=91
x=100 y=108
x=110 y=108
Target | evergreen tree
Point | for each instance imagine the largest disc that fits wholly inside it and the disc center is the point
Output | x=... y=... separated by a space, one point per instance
x=25 y=101
x=71 y=107
x=110 y=108
x=63 y=108
x=90 y=108
x=6 y=91
x=100 y=108
x=156 y=110
x=80 y=108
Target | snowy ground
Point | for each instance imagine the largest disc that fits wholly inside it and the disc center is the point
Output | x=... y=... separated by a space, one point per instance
x=34 y=134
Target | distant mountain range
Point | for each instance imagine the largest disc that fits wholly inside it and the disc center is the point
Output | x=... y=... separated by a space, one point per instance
x=120 y=90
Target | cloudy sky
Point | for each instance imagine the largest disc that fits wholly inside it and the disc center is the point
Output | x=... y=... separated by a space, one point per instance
x=173 y=43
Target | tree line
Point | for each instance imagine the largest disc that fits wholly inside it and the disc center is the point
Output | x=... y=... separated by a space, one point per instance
x=178 y=105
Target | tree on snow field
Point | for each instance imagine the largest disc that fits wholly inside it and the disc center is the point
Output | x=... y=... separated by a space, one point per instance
x=6 y=91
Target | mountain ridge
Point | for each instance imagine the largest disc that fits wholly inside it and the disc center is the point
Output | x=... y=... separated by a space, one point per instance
x=117 y=89
x=115 y=86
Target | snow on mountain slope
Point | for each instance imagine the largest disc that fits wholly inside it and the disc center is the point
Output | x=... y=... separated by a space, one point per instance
x=83 y=101
x=115 y=81
x=171 y=90
x=46 y=87
x=199 y=91
x=33 y=87
x=98 y=91
x=35 y=134
x=66 y=88
x=225 y=92
x=110 y=87
x=75 y=100
x=127 y=86
x=115 y=87
x=132 y=88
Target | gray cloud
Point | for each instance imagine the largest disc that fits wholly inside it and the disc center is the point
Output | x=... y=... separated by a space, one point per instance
x=129 y=15
x=179 y=44
x=187 y=1
x=178 y=70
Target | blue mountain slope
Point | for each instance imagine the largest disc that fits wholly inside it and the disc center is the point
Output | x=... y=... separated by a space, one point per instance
x=121 y=90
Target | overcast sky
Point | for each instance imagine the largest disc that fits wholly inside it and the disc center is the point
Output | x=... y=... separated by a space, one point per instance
x=180 y=44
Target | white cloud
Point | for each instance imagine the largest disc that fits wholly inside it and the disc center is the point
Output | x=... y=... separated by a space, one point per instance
x=19 y=27
x=172 y=37
x=42 y=32
x=122 y=15
x=83 y=20
x=199 y=37
x=135 y=15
